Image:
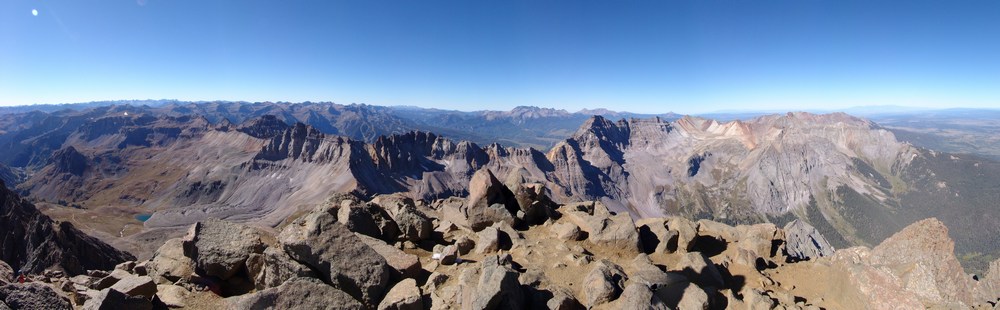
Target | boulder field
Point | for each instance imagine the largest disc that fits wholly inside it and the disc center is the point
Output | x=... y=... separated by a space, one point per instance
x=515 y=249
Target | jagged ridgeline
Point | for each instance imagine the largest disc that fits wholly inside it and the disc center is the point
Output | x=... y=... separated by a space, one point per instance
x=848 y=177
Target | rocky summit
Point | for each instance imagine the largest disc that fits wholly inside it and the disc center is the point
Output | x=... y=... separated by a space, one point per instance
x=338 y=255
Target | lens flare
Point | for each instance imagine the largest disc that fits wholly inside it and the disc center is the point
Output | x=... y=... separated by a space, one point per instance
x=34 y=12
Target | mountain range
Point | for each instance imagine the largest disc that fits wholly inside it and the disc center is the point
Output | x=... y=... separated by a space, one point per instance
x=173 y=164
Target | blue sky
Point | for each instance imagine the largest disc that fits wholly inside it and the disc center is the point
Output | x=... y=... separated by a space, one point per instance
x=642 y=56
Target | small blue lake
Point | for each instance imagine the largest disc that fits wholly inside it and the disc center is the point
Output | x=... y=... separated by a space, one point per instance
x=143 y=217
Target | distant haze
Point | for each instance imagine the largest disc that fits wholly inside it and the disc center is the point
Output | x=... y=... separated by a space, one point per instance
x=645 y=57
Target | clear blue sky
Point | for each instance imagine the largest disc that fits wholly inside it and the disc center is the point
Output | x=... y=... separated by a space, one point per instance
x=642 y=56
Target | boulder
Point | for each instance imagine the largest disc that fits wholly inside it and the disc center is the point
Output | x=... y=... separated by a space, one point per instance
x=489 y=201
x=566 y=231
x=602 y=227
x=465 y=245
x=488 y=240
x=687 y=231
x=803 y=242
x=639 y=296
x=563 y=299
x=718 y=231
x=169 y=263
x=699 y=269
x=761 y=240
x=221 y=249
x=111 y=299
x=497 y=288
x=274 y=267
x=109 y=280
x=923 y=257
x=413 y=225
x=534 y=203
x=656 y=237
x=32 y=296
x=340 y=257
x=297 y=293
x=604 y=283
x=644 y=272
x=447 y=254
x=172 y=295
x=405 y=295
x=136 y=286
x=403 y=265
x=368 y=219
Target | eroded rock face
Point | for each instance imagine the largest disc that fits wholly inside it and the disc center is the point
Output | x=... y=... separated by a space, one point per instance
x=805 y=242
x=988 y=289
x=220 y=248
x=34 y=242
x=922 y=255
x=298 y=293
x=342 y=259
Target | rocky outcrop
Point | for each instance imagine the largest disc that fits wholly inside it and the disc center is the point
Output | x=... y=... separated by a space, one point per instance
x=489 y=201
x=298 y=293
x=805 y=242
x=317 y=240
x=33 y=242
x=221 y=249
x=32 y=296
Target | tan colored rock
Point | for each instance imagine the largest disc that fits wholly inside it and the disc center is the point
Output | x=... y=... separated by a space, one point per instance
x=604 y=283
x=601 y=226
x=405 y=295
x=136 y=286
x=172 y=295
x=404 y=265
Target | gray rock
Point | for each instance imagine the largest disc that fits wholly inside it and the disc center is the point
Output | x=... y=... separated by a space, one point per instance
x=566 y=231
x=465 y=245
x=563 y=299
x=413 y=224
x=497 y=288
x=687 y=231
x=341 y=258
x=111 y=299
x=274 y=267
x=489 y=241
x=136 y=286
x=604 y=283
x=368 y=219
x=699 y=269
x=644 y=272
x=403 y=265
x=7 y=274
x=602 y=227
x=298 y=293
x=405 y=295
x=489 y=202
x=639 y=296
x=169 y=263
x=534 y=202
x=447 y=254
x=109 y=280
x=220 y=248
x=803 y=242
x=32 y=296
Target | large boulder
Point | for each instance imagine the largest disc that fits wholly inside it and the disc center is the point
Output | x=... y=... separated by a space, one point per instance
x=656 y=237
x=639 y=296
x=803 y=242
x=604 y=283
x=169 y=263
x=340 y=257
x=111 y=299
x=298 y=293
x=274 y=267
x=603 y=227
x=368 y=219
x=405 y=295
x=403 y=265
x=686 y=230
x=498 y=287
x=536 y=207
x=922 y=255
x=136 y=286
x=219 y=248
x=32 y=296
x=489 y=201
x=413 y=224
x=699 y=269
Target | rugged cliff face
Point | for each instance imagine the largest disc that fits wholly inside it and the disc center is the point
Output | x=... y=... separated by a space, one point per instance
x=33 y=242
